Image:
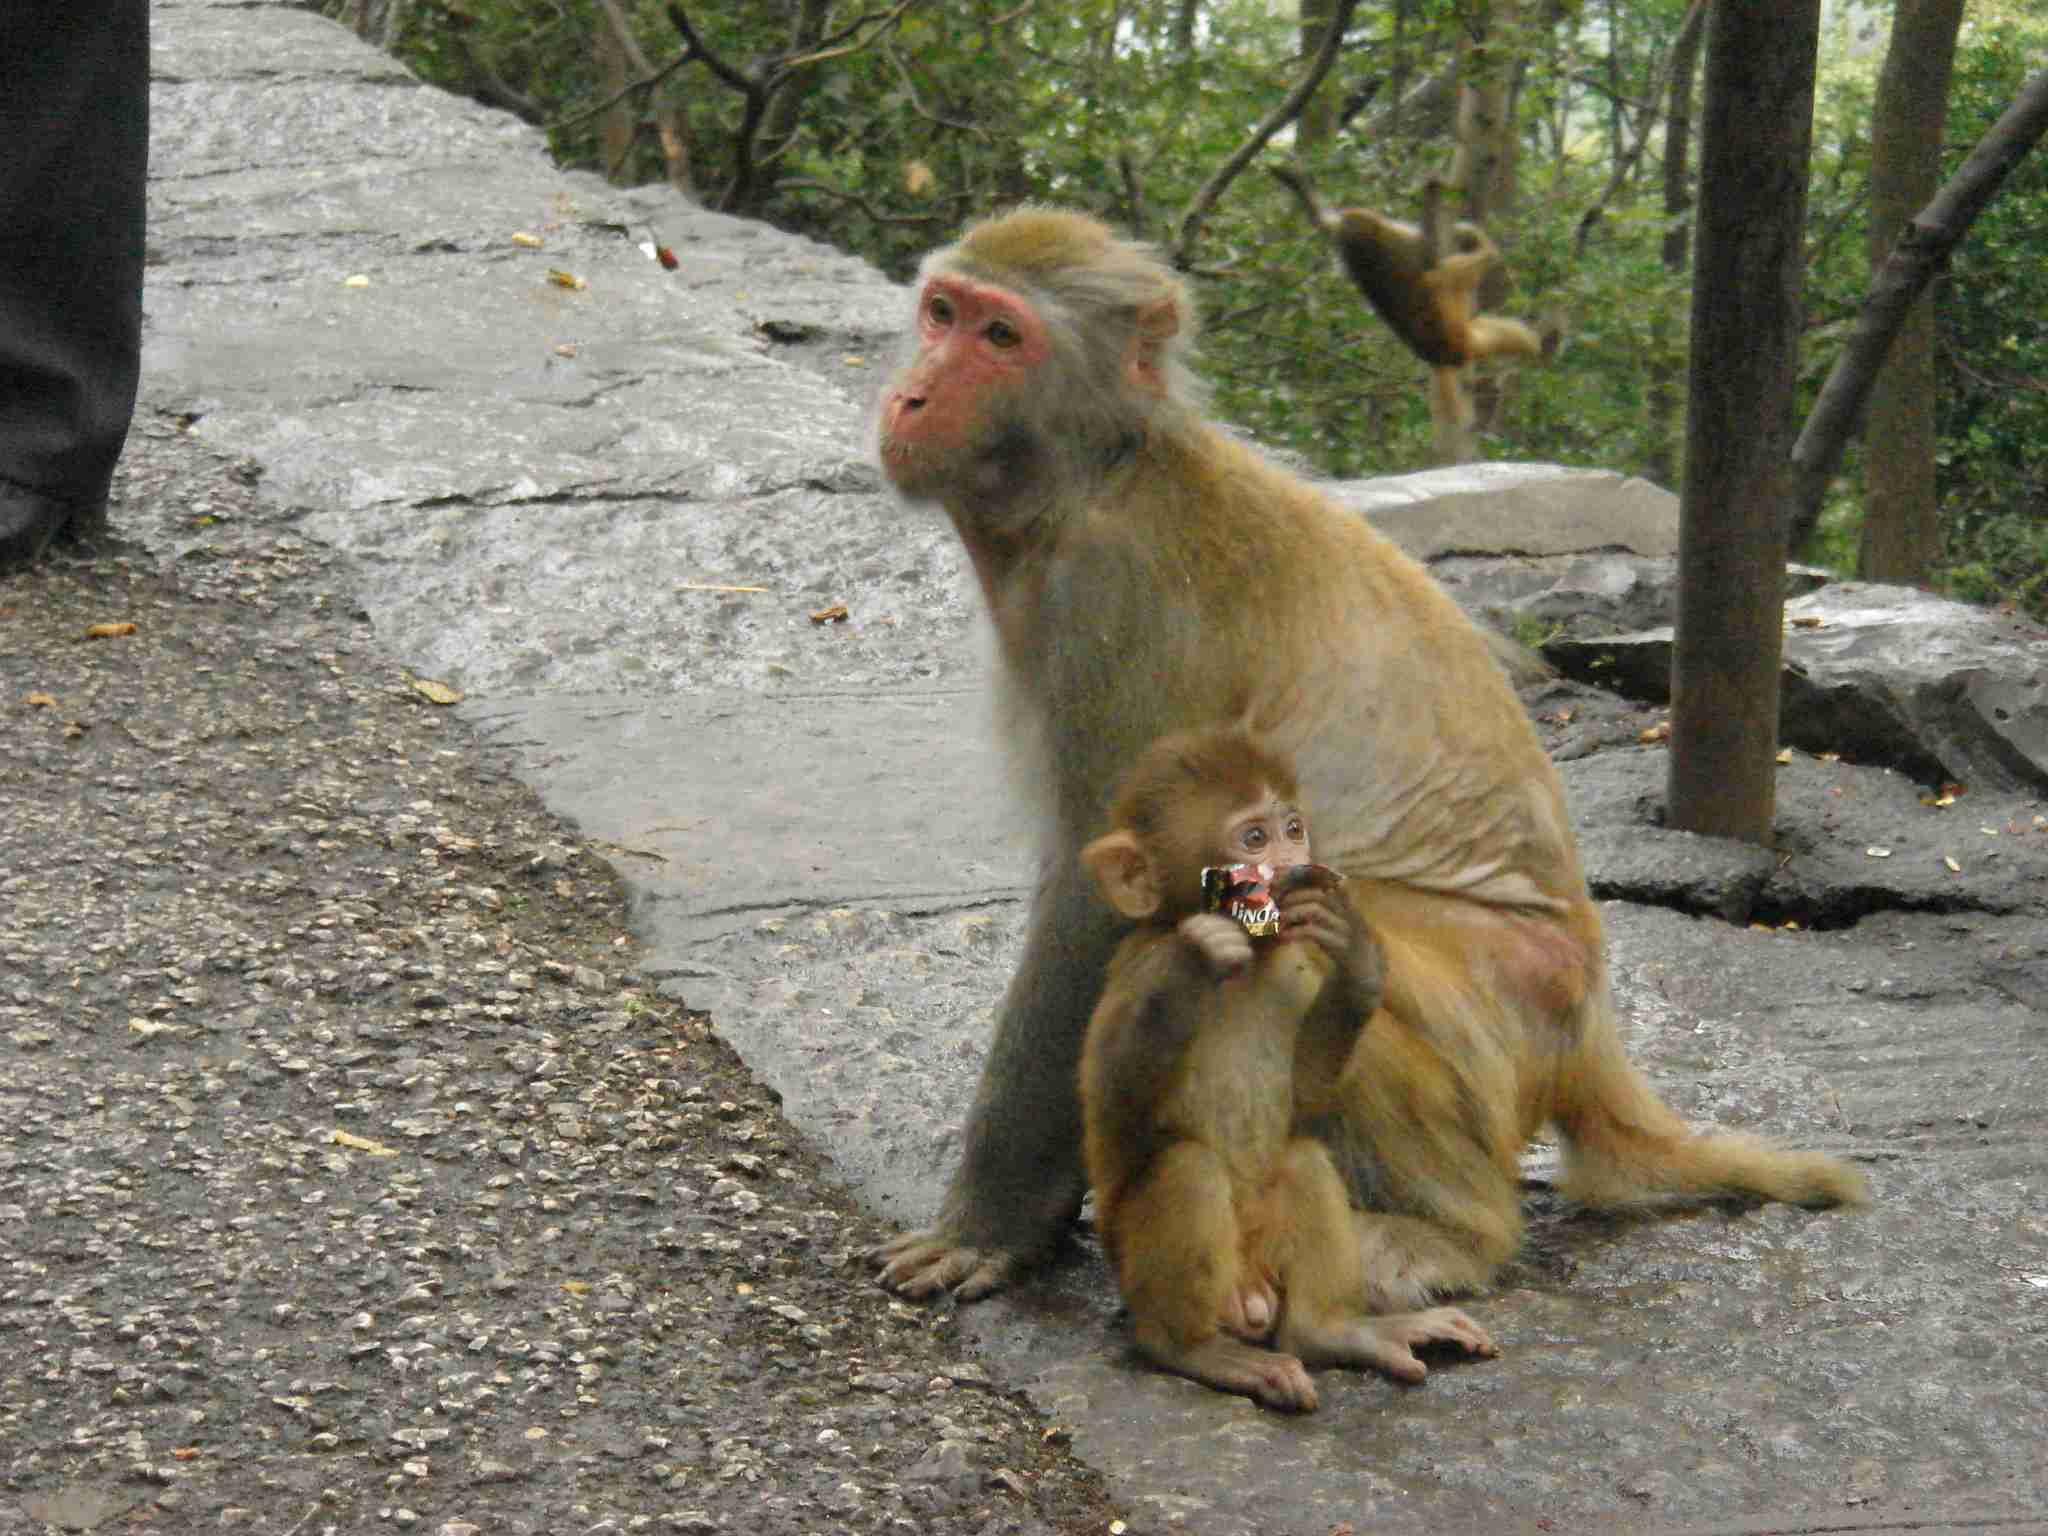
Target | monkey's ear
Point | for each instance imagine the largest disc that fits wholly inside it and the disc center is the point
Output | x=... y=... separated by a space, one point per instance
x=1124 y=874
x=1158 y=323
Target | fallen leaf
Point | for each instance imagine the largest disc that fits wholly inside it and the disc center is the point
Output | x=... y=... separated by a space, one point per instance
x=435 y=693
x=185 y=1453
x=531 y=242
x=1784 y=756
x=576 y=1287
x=1827 y=757
x=1808 y=621
x=40 y=701
x=108 y=631
x=568 y=280
x=565 y=349
x=360 y=280
x=836 y=614
x=354 y=1143
x=712 y=586
x=1661 y=731
x=1953 y=867
x=853 y=360
x=1877 y=853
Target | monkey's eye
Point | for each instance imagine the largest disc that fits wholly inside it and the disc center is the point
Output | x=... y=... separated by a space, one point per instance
x=940 y=308
x=1254 y=838
x=1296 y=831
x=1003 y=335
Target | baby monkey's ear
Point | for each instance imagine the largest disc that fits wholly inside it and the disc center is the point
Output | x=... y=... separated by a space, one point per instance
x=1124 y=874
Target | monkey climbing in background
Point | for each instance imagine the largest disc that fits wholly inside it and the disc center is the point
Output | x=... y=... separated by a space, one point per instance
x=1147 y=572
x=1207 y=1053
x=1424 y=291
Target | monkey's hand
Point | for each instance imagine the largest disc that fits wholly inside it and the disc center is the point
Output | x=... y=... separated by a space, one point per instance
x=1313 y=908
x=1221 y=942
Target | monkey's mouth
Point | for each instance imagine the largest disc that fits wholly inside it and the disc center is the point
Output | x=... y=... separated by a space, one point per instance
x=1243 y=893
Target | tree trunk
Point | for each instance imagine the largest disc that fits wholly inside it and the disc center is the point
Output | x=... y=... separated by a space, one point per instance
x=1756 y=138
x=1921 y=249
x=1901 y=528
x=1483 y=169
x=615 y=128
x=1663 y=401
x=1318 y=119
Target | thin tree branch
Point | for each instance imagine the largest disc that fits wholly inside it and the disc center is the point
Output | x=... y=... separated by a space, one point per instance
x=1682 y=47
x=1921 y=248
x=1181 y=253
x=840 y=194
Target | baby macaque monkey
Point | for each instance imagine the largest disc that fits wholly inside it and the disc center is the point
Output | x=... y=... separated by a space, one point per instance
x=1225 y=1220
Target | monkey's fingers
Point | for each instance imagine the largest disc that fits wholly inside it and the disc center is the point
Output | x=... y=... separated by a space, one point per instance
x=923 y=1264
x=1298 y=877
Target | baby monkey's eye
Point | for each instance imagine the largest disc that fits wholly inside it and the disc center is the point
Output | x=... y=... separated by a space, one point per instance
x=1254 y=837
x=1002 y=334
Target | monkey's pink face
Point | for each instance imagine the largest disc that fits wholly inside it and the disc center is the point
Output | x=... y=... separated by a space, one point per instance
x=975 y=343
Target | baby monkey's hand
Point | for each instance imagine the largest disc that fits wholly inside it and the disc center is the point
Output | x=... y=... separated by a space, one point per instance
x=1314 y=908
x=1221 y=942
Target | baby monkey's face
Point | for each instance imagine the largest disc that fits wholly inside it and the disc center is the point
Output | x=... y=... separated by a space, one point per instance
x=1259 y=840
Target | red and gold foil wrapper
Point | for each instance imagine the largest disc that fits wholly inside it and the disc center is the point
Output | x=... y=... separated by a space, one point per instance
x=1244 y=893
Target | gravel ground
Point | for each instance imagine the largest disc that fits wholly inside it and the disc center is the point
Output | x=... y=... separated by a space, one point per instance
x=349 y=1176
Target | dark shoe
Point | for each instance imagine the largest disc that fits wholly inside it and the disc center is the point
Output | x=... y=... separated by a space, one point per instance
x=29 y=520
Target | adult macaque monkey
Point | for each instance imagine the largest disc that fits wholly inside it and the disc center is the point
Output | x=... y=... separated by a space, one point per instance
x=1425 y=291
x=1205 y=1057
x=1146 y=572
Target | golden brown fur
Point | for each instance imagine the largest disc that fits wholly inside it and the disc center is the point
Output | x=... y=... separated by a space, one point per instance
x=1145 y=573
x=1204 y=1059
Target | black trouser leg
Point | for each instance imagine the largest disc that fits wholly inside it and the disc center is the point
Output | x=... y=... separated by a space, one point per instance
x=74 y=153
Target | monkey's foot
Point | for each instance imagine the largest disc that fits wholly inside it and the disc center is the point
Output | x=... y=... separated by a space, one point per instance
x=1231 y=1365
x=1251 y=1310
x=928 y=1263
x=1390 y=1342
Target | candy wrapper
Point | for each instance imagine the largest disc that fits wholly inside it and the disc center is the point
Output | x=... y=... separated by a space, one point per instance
x=1243 y=892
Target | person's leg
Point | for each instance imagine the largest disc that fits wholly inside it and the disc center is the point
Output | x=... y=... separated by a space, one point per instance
x=75 y=122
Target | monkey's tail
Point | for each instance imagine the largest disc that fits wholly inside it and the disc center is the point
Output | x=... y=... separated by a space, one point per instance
x=1623 y=1144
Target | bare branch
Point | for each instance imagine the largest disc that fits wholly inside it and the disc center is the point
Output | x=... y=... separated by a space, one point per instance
x=1181 y=253
x=1922 y=247
x=1683 y=47
x=840 y=194
x=837 y=46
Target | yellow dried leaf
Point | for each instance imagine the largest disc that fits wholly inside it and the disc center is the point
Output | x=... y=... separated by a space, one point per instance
x=531 y=242
x=40 y=701
x=568 y=280
x=360 y=280
x=1808 y=621
x=576 y=1287
x=836 y=614
x=108 y=631
x=355 y=1143
x=1877 y=853
x=1953 y=867
x=1785 y=756
x=565 y=349
x=1661 y=731
x=435 y=693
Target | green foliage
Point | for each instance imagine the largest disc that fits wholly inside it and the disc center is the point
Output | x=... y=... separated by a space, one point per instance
x=961 y=106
